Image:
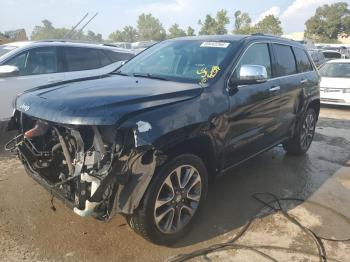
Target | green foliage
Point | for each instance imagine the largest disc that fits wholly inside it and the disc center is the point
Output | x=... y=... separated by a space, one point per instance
x=176 y=31
x=48 y=31
x=222 y=20
x=117 y=36
x=92 y=37
x=215 y=26
x=269 y=25
x=129 y=34
x=150 y=28
x=242 y=23
x=329 y=23
x=190 y=31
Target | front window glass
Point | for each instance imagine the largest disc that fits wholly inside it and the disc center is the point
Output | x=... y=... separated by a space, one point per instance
x=335 y=70
x=181 y=60
x=258 y=54
x=37 y=61
x=20 y=61
x=4 y=49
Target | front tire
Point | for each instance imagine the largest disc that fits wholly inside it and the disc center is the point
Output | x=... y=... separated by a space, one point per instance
x=171 y=202
x=301 y=141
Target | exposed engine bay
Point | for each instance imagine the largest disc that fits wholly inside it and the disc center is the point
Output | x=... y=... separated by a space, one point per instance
x=96 y=170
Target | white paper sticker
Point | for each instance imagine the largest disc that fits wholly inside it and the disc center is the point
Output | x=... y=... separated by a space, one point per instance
x=215 y=44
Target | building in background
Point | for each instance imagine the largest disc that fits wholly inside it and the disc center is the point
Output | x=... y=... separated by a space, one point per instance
x=3 y=39
x=13 y=36
x=17 y=35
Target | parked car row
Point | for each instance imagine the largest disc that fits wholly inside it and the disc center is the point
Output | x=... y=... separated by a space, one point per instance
x=317 y=56
x=25 y=65
x=146 y=140
x=335 y=82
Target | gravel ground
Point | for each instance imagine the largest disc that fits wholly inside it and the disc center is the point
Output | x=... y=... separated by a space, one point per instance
x=31 y=231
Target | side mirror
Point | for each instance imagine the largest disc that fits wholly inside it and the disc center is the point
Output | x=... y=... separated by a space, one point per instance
x=249 y=75
x=8 y=70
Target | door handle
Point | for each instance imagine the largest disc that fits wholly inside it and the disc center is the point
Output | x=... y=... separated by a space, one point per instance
x=304 y=81
x=54 y=80
x=275 y=88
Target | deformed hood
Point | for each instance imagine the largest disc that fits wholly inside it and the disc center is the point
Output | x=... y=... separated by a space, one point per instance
x=102 y=101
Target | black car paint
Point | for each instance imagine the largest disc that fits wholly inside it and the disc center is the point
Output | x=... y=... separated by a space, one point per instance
x=77 y=103
x=234 y=123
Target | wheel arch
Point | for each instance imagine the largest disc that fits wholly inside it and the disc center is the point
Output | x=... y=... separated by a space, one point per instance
x=316 y=105
x=201 y=146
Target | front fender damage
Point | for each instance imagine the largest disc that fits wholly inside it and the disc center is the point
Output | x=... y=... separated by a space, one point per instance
x=98 y=171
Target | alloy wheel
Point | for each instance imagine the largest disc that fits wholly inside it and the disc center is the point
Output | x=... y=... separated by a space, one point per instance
x=307 y=131
x=178 y=199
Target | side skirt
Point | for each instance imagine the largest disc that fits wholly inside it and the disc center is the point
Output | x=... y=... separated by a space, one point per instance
x=221 y=172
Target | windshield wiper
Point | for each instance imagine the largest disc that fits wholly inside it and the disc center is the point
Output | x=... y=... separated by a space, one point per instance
x=148 y=75
x=119 y=72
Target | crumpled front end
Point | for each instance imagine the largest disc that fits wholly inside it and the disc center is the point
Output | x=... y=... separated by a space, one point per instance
x=96 y=170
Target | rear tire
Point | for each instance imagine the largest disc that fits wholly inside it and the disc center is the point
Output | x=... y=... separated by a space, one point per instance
x=169 y=207
x=300 y=143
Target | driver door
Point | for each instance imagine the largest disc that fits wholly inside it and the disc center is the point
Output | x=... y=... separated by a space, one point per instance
x=254 y=109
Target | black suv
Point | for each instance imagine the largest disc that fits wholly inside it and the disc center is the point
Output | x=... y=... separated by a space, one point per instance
x=145 y=140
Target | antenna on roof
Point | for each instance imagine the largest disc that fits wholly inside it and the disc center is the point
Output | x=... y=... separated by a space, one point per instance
x=74 y=27
x=81 y=29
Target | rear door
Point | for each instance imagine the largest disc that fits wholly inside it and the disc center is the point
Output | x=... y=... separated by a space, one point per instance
x=297 y=75
x=286 y=70
x=254 y=110
x=81 y=62
x=38 y=66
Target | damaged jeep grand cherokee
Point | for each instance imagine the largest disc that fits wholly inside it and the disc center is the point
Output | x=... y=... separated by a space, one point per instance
x=145 y=140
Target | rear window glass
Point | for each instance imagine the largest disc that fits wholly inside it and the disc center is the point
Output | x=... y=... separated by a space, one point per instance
x=285 y=60
x=43 y=60
x=118 y=56
x=331 y=55
x=79 y=59
x=335 y=70
x=105 y=60
x=303 y=62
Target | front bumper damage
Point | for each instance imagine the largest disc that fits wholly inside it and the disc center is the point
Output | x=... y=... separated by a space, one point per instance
x=98 y=171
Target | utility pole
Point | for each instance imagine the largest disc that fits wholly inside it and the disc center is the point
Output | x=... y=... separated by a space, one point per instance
x=72 y=30
x=81 y=29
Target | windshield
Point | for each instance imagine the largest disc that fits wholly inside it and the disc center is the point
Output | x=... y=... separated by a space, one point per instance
x=335 y=70
x=181 y=60
x=4 y=49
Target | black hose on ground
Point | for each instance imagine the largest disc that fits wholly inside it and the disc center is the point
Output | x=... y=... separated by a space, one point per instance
x=270 y=204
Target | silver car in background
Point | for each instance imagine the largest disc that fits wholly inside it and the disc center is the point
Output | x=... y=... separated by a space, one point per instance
x=335 y=82
x=25 y=65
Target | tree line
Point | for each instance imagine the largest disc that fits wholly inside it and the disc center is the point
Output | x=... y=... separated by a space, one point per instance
x=328 y=24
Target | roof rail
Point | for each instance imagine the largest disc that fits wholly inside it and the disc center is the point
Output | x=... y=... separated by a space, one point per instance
x=276 y=36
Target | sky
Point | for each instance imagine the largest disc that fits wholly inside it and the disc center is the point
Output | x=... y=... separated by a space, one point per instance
x=115 y=14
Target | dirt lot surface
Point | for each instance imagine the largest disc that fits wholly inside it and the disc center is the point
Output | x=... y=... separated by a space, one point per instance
x=30 y=230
